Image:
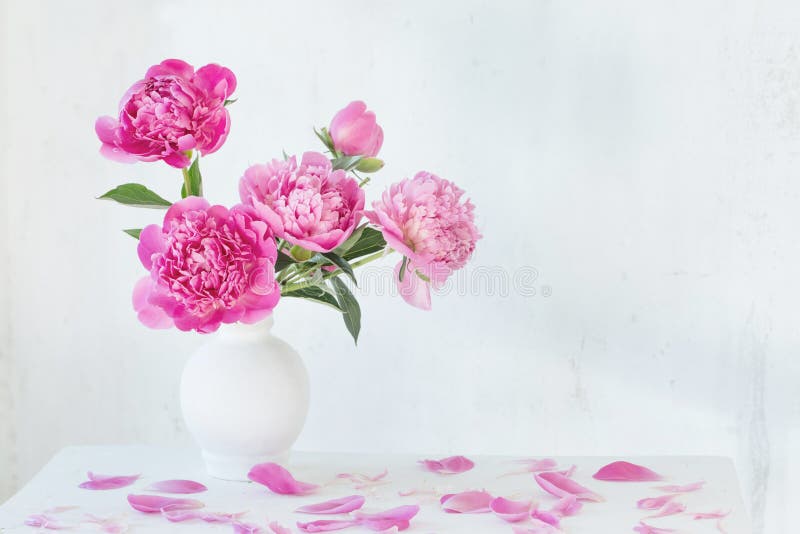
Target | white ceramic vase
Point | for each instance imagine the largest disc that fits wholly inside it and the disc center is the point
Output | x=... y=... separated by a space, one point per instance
x=244 y=395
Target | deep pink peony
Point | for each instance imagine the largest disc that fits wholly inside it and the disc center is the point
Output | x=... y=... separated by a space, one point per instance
x=425 y=219
x=355 y=132
x=208 y=265
x=172 y=110
x=309 y=204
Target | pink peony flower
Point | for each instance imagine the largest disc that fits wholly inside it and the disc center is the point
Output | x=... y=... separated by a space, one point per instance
x=309 y=205
x=355 y=132
x=208 y=265
x=425 y=219
x=172 y=110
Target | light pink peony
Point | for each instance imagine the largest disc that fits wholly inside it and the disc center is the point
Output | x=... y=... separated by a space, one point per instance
x=309 y=204
x=425 y=219
x=172 y=110
x=208 y=265
x=355 y=132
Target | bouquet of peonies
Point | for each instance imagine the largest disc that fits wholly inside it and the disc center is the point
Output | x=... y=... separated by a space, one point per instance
x=299 y=229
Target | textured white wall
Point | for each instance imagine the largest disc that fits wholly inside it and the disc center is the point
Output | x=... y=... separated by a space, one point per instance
x=643 y=156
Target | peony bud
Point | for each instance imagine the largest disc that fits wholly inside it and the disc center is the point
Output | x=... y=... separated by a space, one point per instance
x=354 y=131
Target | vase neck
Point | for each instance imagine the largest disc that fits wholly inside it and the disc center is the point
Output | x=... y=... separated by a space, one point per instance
x=243 y=331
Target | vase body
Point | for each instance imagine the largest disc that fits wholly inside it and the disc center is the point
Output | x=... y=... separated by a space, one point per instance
x=244 y=396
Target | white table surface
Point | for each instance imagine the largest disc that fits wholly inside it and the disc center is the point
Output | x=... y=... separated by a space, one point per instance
x=57 y=485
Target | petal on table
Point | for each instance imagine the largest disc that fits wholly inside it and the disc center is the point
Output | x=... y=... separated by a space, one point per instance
x=508 y=510
x=717 y=514
x=559 y=485
x=545 y=516
x=177 y=486
x=177 y=516
x=467 y=502
x=45 y=521
x=245 y=528
x=626 y=472
x=277 y=528
x=279 y=480
x=399 y=517
x=452 y=465
x=359 y=477
x=107 y=482
x=654 y=503
x=536 y=527
x=671 y=508
x=327 y=525
x=644 y=528
x=566 y=506
x=341 y=505
x=151 y=504
x=533 y=464
x=686 y=488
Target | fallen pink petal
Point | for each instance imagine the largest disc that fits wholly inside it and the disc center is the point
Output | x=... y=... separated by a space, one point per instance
x=451 y=465
x=536 y=527
x=277 y=528
x=467 y=502
x=327 y=525
x=177 y=486
x=341 y=505
x=358 y=477
x=106 y=482
x=716 y=514
x=399 y=517
x=644 y=528
x=545 y=516
x=279 y=480
x=626 y=472
x=177 y=516
x=671 y=508
x=687 y=488
x=533 y=465
x=109 y=525
x=46 y=522
x=559 y=485
x=246 y=528
x=566 y=506
x=151 y=504
x=654 y=503
x=510 y=511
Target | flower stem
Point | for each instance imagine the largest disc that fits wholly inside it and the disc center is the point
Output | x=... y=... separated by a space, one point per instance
x=301 y=285
x=187 y=187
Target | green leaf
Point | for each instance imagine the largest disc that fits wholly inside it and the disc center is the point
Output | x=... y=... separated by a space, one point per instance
x=133 y=232
x=342 y=264
x=136 y=195
x=403 y=268
x=345 y=162
x=371 y=241
x=422 y=277
x=283 y=261
x=285 y=155
x=351 y=311
x=195 y=180
x=325 y=137
x=229 y=101
x=370 y=165
x=316 y=294
x=350 y=241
